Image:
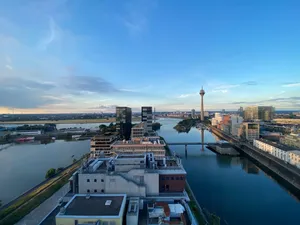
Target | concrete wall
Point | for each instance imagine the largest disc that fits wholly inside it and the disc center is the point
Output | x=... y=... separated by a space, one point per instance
x=152 y=183
x=116 y=184
x=84 y=185
x=71 y=221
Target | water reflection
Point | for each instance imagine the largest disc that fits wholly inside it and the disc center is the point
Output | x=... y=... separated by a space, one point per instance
x=249 y=167
x=202 y=138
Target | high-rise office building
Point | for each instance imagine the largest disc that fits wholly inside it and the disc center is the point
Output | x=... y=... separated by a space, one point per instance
x=264 y=113
x=123 y=121
x=241 y=111
x=147 y=118
x=193 y=113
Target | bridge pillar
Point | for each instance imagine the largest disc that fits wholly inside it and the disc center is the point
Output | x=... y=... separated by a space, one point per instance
x=185 y=148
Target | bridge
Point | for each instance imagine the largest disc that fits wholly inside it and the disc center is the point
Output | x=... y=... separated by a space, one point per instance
x=191 y=143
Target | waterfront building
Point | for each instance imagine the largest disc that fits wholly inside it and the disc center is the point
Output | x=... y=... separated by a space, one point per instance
x=147 y=117
x=292 y=140
x=123 y=121
x=249 y=131
x=235 y=123
x=278 y=150
x=217 y=119
x=141 y=146
x=264 y=113
x=193 y=113
x=93 y=209
x=27 y=132
x=135 y=175
x=102 y=144
x=202 y=93
x=241 y=112
x=138 y=130
x=294 y=157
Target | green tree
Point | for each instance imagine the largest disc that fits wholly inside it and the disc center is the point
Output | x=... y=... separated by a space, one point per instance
x=156 y=126
x=59 y=169
x=74 y=160
x=0 y=203
x=50 y=173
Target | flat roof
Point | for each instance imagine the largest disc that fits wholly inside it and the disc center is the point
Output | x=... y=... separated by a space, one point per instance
x=95 y=205
x=277 y=145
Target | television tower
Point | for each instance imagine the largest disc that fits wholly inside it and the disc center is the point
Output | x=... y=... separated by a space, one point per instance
x=202 y=93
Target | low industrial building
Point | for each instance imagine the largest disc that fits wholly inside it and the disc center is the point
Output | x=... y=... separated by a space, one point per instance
x=93 y=209
x=27 y=132
x=135 y=175
x=166 y=213
x=101 y=144
x=140 y=146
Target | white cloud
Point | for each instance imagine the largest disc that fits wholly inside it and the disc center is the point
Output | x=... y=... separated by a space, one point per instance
x=291 y=85
x=9 y=67
x=52 y=35
x=187 y=95
x=224 y=88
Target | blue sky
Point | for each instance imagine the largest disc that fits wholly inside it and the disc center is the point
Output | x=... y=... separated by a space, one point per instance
x=89 y=56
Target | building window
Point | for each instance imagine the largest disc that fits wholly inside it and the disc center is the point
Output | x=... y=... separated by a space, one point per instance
x=95 y=180
x=167 y=178
x=88 y=190
x=181 y=178
x=102 y=180
x=95 y=190
x=88 y=180
x=172 y=178
x=102 y=190
x=163 y=178
x=177 y=178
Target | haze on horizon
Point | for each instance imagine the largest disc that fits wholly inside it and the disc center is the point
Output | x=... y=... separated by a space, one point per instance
x=55 y=57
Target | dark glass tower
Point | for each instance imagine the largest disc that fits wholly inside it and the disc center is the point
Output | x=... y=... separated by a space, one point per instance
x=123 y=122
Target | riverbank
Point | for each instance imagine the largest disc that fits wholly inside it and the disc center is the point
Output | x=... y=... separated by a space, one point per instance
x=15 y=210
x=77 y=121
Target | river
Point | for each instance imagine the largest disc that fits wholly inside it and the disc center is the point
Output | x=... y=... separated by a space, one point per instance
x=233 y=188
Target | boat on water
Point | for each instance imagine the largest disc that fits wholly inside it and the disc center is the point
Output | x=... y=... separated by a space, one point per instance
x=24 y=139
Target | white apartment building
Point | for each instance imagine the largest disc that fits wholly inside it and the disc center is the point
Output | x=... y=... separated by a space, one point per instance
x=236 y=122
x=217 y=119
x=278 y=150
x=294 y=157
x=141 y=146
x=133 y=175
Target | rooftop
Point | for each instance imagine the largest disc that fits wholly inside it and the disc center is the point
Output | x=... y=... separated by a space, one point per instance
x=94 y=205
x=132 y=156
x=277 y=145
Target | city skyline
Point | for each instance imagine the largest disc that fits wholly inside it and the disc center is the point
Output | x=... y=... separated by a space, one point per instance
x=56 y=58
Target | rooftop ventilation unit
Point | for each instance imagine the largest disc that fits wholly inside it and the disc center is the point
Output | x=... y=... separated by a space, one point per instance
x=108 y=202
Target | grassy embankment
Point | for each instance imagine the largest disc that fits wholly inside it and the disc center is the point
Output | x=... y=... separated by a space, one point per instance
x=27 y=203
x=75 y=121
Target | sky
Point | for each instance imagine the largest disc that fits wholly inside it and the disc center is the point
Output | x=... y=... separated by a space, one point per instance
x=69 y=56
